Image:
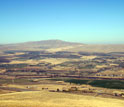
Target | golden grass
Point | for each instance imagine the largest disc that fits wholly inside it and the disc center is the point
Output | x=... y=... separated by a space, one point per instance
x=62 y=68
x=54 y=99
x=55 y=60
x=65 y=48
x=118 y=72
x=26 y=61
x=101 y=66
x=59 y=49
x=47 y=60
x=114 y=64
x=2 y=70
x=5 y=91
x=19 y=53
x=16 y=86
x=88 y=57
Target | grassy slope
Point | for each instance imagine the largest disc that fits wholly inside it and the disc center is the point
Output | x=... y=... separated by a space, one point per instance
x=51 y=99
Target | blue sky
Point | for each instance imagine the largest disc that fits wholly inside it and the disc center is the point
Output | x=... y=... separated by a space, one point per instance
x=86 y=21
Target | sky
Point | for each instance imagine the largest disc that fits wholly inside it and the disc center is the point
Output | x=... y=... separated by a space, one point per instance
x=85 y=21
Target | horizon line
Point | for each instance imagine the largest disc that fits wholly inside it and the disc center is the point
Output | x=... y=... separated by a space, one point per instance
x=85 y=43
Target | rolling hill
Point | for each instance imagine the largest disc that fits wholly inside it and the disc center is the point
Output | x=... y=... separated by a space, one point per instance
x=50 y=99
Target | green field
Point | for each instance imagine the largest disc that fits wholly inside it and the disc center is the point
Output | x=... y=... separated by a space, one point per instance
x=112 y=84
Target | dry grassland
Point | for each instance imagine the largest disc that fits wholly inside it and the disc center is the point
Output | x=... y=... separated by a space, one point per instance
x=54 y=99
x=88 y=57
x=26 y=61
x=59 y=49
x=47 y=60
x=65 y=48
x=101 y=66
x=55 y=60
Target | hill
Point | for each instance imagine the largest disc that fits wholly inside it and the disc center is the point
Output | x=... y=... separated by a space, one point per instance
x=38 y=45
x=50 y=99
x=59 y=45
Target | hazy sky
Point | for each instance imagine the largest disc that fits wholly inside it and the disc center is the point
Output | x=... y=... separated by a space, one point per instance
x=86 y=21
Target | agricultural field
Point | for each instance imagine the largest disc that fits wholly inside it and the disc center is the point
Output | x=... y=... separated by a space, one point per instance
x=50 y=75
x=110 y=65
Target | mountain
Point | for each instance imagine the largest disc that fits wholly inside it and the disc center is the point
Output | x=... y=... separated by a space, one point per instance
x=59 y=45
x=38 y=45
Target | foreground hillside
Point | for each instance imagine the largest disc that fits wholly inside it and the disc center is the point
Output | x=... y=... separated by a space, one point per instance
x=52 y=99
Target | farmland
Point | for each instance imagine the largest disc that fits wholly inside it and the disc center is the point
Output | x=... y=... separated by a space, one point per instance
x=47 y=74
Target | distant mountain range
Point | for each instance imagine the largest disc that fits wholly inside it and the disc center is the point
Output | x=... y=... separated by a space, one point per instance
x=59 y=45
